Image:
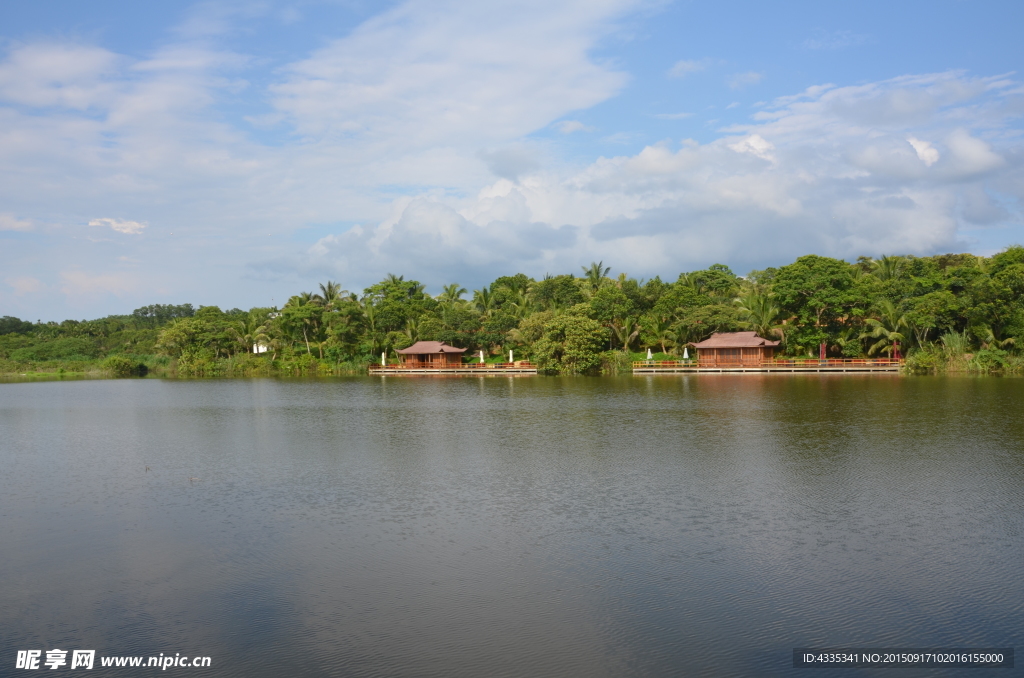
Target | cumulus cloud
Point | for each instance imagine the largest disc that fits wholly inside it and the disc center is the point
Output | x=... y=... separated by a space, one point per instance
x=8 y=222
x=512 y=161
x=418 y=125
x=970 y=154
x=928 y=155
x=755 y=145
x=831 y=170
x=120 y=225
x=443 y=241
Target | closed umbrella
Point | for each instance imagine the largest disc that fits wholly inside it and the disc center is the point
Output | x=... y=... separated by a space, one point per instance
x=649 y=356
x=686 y=353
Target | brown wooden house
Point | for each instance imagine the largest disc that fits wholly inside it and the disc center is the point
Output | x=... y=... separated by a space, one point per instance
x=734 y=348
x=431 y=354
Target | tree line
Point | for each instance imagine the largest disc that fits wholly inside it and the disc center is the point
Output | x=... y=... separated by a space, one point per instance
x=941 y=311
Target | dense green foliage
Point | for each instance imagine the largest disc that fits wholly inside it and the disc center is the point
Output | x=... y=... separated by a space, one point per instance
x=954 y=311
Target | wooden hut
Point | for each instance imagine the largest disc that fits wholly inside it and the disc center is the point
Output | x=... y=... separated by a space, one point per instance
x=739 y=349
x=431 y=354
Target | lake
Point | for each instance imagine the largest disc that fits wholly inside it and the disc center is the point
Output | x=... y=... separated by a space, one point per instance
x=401 y=526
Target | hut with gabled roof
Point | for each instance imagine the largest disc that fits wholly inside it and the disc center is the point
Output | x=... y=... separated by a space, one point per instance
x=736 y=349
x=431 y=354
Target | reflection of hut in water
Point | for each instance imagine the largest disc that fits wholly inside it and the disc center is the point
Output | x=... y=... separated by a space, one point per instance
x=734 y=348
x=431 y=354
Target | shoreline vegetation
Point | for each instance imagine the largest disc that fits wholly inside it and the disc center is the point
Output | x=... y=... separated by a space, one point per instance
x=951 y=313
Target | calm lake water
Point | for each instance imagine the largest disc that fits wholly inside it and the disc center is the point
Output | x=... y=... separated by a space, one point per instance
x=638 y=526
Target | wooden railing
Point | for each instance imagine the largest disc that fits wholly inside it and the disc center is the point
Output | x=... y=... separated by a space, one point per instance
x=519 y=364
x=788 y=362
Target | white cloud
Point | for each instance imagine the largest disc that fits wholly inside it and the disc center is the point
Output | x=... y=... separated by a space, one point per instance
x=741 y=80
x=120 y=225
x=929 y=155
x=419 y=125
x=755 y=145
x=971 y=155
x=834 y=40
x=8 y=222
x=827 y=171
x=925 y=151
x=51 y=74
x=25 y=285
x=673 y=116
x=681 y=69
x=427 y=73
x=570 y=126
x=79 y=284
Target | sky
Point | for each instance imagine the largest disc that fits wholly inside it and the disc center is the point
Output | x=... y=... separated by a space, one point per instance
x=236 y=153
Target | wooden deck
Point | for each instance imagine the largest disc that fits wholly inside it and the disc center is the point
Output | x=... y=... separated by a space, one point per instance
x=520 y=367
x=796 y=365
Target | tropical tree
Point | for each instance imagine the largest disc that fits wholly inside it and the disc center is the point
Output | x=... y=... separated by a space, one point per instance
x=626 y=331
x=302 y=315
x=658 y=332
x=888 y=267
x=595 y=273
x=990 y=339
x=330 y=294
x=250 y=330
x=887 y=328
x=761 y=314
x=571 y=344
x=452 y=294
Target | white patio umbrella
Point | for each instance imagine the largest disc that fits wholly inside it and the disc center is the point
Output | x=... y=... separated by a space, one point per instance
x=481 y=356
x=383 y=358
x=510 y=356
x=649 y=356
x=686 y=353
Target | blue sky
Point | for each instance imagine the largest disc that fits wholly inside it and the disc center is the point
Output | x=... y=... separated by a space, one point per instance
x=234 y=153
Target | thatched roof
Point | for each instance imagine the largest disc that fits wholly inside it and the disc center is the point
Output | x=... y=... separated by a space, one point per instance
x=425 y=347
x=734 y=340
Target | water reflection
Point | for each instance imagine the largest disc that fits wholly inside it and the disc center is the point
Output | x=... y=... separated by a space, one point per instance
x=386 y=526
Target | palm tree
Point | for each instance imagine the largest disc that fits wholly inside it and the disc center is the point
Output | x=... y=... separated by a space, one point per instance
x=849 y=336
x=990 y=339
x=483 y=300
x=452 y=294
x=518 y=304
x=412 y=330
x=761 y=314
x=888 y=267
x=662 y=334
x=626 y=331
x=595 y=274
x=373 y=333
x=885 y=328
x=249 y=331
x=330 y=294
x=300 y=313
